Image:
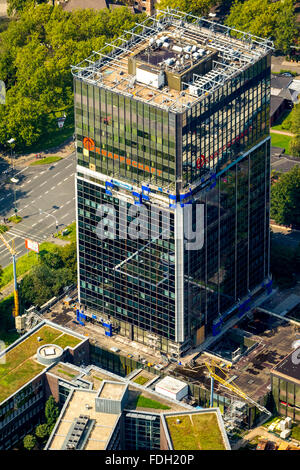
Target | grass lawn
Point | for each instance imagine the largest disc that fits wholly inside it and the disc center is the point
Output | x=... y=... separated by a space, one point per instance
x=280 y=140
x=71 y=236
x=296 y=432
x=195 y=432
x=45 y=161
x=24 y=263
x=67 y=340
x=144 y=402
x=66 y=373
x=141 y=380
x=284 y=122
x=19 y=367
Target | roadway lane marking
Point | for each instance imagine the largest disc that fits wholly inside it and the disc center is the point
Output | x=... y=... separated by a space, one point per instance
x=65 y=215
x=36 y=177
x=59 y=183
x=43 y=183
x=29 y=181
x=53 y=187
x=65 y=179
x=46 y=192
x=68 y=202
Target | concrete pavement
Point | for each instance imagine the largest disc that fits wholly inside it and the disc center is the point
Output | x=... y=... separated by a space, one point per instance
x=50 y=188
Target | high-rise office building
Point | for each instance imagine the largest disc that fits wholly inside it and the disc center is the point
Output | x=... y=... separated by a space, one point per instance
x=172 y=121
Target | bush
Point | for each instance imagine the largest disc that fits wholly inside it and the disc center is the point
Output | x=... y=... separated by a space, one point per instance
x=42 y=432
x=29 y=442
x=51 y=412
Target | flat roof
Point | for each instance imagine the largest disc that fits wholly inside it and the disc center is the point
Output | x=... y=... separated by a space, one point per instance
x=83 y=403
x=289 y=367
x=20 y=364
x=195 y=431
x=171 y=385
x=112 y=391
x=109 y=68
x=251 y=372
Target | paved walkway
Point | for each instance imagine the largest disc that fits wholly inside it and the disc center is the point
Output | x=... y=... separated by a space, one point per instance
x=275 y=131
x=3 y=8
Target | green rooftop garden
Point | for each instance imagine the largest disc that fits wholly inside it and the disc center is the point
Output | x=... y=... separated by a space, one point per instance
x=195 y=432
x=144 y=402
x=19 y=367
x=141 y=380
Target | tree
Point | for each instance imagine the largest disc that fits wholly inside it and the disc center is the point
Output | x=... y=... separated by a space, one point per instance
x=285 y=198
x=51 y=412
x=264 y=18
x=36 y=54
x=29 y=442
x=196 y=7
x=42 y=432
x=17 y=6
x=295 y=121
x=294 y=146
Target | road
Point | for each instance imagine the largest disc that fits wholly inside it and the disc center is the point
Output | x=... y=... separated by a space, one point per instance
x=47 y=187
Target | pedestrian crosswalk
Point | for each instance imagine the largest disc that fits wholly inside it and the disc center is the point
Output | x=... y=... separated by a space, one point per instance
x=22 y=234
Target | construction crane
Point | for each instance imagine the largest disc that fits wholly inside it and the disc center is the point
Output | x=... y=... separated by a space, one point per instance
x=225 y=382
x=11 y=249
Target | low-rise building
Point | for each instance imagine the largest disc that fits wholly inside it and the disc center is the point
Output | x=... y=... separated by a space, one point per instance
x=285 y=381
x=23 y=369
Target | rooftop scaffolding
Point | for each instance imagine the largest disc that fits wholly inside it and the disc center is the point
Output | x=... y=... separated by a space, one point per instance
x=177 y=43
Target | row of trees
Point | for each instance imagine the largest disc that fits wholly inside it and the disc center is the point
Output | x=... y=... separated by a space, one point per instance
x=36 y=53
x=43 y=431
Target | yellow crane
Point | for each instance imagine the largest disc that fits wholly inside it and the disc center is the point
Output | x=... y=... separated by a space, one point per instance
x=224 y=381
x=11 y=249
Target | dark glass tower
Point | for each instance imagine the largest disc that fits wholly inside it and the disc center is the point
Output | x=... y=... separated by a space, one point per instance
x=174 y=118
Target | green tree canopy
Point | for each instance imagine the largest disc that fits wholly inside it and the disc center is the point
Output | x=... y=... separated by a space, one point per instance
x=266 y=19
x=36 y=54
x=29 y=442
x=51 y=412
x=285 y=198
x=42 y=432
x=196 y=7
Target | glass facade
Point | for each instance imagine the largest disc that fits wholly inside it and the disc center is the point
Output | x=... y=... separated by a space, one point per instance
x=131 y=139
x=219 y=150
x=286 y=396
x=142 y=432
x=226 y=123
x=235 y=255
x=130 y=280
